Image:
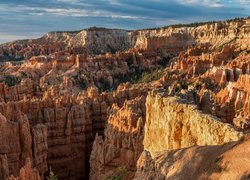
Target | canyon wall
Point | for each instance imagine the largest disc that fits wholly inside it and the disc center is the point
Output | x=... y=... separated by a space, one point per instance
x=174 y=128
x=171 y=123
x=215 y=34
x=60 y=130
x=22 y=146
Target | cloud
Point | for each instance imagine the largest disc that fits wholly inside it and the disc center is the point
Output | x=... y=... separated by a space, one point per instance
x=244 y=2
x=68 y=1
x=209 y=3
x=74 y=12
x=114 y=2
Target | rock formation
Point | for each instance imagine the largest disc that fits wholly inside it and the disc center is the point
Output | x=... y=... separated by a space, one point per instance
x=18 y=144
x=197 y=162
x=101 y=40
x=87 y=104
x=173 y=124
x=27 y=172
x=122 y=145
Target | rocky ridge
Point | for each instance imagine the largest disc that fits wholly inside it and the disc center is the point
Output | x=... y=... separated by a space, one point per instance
x=101 y=40
x=224 y=162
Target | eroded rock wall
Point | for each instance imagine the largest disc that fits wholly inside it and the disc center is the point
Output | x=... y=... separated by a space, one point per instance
x=19 y=147
x=27 y=172
x=122 y=143
x=173 y=124
x=62 y=128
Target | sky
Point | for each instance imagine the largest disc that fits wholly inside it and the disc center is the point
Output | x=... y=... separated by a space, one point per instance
x=24 y=19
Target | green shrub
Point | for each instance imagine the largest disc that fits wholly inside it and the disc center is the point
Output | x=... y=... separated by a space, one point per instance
x=51 y=176
x=11 y=80
x=105 y=86
x=220 y=47
x=111 y=49
x=119 y=176
x=147 y=76
x=129 y=60
x=23 y=74
x=196 y=24
x=80 y=81
x=208 y=83
x=164 y=61
x=138 y=76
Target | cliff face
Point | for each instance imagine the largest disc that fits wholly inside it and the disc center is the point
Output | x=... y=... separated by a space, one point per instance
x=173 y=124
x=236 y=96
x=95 y=41
x=19 y=144
x=175 y=39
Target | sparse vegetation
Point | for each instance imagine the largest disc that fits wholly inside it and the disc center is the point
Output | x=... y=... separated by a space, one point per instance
x=23 y=74
x=196 y=24
x=94 y=28
x=147 y=76
x=51 y=176
x=111 y=49
x=105 y=85
x=11 y=80
x=164 y=61
x=220 y=47
x=129 y=60
x=119 y=176
x=80 y=81
x=209 y=83
x=138 y=76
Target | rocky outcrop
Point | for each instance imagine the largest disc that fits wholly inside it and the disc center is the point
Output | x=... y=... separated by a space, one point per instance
x=197 y=162
x=26 y=89
x=27 y=172
x=18 y=146
x=177 y=39
x=57 y=134
x=76 y=72
x=173 y=124
x=62 y=127
x=122 y=143
x=236 y=97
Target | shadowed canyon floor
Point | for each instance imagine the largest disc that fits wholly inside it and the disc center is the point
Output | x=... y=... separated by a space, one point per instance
x=168 y=103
